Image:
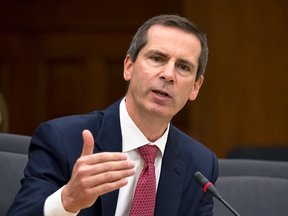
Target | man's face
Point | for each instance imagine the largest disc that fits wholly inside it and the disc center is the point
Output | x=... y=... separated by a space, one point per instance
x=163 y=76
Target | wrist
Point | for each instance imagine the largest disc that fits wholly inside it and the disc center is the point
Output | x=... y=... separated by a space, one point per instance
x=67 y=202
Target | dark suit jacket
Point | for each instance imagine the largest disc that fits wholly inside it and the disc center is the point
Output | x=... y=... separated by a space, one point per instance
x=57 y=144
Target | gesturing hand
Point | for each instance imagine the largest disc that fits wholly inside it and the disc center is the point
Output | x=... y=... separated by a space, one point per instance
x=94 y=175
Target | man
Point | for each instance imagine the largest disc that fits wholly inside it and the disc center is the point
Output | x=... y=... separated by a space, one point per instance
x=164 y=67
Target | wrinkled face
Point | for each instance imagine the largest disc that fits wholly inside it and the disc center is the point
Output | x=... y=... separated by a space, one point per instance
x=162 y=78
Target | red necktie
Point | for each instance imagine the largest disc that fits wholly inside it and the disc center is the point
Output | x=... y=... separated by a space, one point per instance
x=145 y=194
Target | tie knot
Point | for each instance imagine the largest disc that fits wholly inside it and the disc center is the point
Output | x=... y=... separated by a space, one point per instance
x=148 y=153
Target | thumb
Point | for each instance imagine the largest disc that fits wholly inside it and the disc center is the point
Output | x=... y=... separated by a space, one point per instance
x=88 y=143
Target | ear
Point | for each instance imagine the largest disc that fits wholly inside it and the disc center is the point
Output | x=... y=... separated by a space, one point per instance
x=196 y=88
x=128 y=65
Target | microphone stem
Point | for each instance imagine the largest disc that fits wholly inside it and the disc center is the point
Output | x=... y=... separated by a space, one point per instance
x=229 y=207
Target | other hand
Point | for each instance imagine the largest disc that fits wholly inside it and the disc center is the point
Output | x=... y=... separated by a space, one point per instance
x=94 y=175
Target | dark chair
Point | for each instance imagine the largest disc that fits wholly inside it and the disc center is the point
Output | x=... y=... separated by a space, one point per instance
x=13 y=159
x=275 y=153
x=252 y=187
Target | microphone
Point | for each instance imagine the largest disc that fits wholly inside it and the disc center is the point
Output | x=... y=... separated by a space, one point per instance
x=209 y=187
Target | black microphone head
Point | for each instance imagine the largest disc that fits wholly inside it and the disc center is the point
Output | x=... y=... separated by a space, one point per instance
x=200 y=179
x=207 y=185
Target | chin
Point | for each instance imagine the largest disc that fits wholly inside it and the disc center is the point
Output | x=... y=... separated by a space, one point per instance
x=160 y=112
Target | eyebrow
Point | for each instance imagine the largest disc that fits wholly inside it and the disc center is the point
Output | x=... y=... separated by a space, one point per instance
x=156 y=52
x=180 y=60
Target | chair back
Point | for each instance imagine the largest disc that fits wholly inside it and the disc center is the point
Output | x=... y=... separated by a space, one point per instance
x=272 y=152
x=252 y=187
x=13 y=159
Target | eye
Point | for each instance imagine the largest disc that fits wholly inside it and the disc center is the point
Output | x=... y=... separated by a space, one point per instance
x=156 y=58
x=156 y=61
x=183 y=67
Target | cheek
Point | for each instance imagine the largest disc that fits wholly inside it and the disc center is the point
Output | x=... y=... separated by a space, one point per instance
x=138 y=80
x=185 y=91
x=137 y=76
x=140 y=74
x=186 y=84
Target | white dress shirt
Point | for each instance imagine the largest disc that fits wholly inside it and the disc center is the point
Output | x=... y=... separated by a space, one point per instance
x=132 y=138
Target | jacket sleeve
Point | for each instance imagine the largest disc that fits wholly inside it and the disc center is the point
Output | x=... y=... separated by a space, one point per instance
x=46 y=172
x=207 y=203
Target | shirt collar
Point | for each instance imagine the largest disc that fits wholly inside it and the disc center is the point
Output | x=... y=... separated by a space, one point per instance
x=132 y=137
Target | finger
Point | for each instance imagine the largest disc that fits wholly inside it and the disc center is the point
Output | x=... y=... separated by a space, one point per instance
x=109 y=177
x=103 y=157
x=111 y=166
x=108 y=187
x=88 y=143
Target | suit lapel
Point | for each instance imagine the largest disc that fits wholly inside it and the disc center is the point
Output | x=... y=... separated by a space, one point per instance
x=173 y=170
x=109 y=139
x=172 y=178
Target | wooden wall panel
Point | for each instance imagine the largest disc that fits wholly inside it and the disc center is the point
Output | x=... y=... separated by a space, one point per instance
x=244 y=98
x=64 y=86
x=4 y=112
x=66 y=57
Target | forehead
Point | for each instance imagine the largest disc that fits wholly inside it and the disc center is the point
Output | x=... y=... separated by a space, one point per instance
x=174 y=41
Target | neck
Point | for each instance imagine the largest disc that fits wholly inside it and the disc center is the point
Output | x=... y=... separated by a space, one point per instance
x=151 y=130
x=152 y=127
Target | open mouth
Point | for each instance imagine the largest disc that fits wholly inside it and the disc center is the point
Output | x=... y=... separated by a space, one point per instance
x=161 y=93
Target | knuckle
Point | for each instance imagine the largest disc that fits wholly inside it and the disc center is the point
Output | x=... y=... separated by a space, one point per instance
x=106 y=188
x=80 y=160
x=84 y=183
x=107 y=166
x=101 y=157
x=82 y=171
x=107 y=177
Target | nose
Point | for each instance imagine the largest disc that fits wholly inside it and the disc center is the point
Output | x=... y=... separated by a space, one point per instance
x=168 y=73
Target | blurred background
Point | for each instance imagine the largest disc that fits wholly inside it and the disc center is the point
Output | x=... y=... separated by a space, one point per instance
x=60 y=58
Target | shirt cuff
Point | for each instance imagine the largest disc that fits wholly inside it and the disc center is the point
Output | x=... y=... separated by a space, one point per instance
x=53 y=205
